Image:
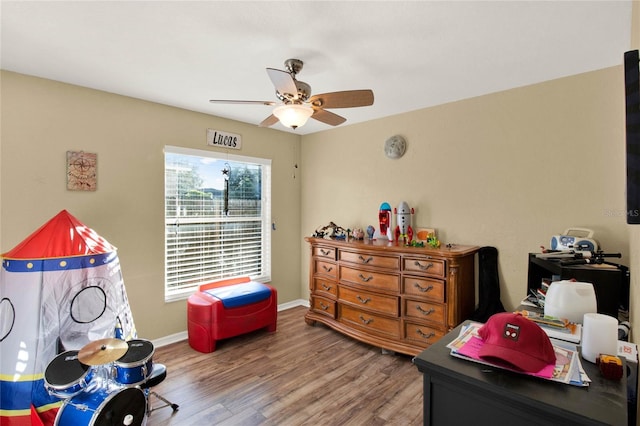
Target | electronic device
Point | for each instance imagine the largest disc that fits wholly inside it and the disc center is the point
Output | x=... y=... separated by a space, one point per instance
x=568 y=240
x=632 y=118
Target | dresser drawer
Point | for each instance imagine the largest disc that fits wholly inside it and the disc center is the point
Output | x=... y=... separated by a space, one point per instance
x=323 y=306
x=421 y=333
x=389 y=262
x=371 y=301
x=328 y=252
x=371 y=323
x=424 y=265
x=423 y=287
x=423 y=310
x=325 y=287
x=326 y=268
x=375 y=280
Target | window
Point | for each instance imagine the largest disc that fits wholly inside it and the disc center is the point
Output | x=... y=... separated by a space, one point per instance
x=217 y=219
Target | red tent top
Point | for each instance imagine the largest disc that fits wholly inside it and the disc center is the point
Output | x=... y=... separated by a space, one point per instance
x=61 y=236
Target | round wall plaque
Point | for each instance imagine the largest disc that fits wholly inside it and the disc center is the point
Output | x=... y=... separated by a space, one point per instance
x=395 y=146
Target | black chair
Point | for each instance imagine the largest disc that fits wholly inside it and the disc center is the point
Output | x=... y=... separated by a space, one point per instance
x=158 y=374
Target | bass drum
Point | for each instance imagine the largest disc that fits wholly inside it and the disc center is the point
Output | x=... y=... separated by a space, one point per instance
x=104 y=408
x=65 y=376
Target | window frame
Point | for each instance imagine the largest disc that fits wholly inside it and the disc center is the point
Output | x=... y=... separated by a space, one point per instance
x=183 y=291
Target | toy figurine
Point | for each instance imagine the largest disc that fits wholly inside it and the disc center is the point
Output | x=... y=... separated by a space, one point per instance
x=384 y=215
x=404 y=232
x=370 y=231
x=358 y=234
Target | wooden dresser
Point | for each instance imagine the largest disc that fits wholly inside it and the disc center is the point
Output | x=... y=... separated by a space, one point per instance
x=391 y=296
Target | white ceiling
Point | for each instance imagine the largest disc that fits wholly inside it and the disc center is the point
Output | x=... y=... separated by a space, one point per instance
x=412 y=54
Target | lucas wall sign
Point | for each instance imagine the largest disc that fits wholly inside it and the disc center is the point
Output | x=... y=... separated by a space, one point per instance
x=81 y=171
x=223 y=139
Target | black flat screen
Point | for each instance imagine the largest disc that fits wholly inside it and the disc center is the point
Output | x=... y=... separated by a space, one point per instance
x=632 y=102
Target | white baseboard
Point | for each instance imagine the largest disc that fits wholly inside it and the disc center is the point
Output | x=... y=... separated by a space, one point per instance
x=167 y=340
x=293 y=304
x=178 y=337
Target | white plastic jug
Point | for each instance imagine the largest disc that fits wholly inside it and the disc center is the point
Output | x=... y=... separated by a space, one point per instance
x=570 y=300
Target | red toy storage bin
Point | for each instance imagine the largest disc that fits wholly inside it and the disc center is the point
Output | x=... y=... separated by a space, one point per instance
x=199 y=323
x=209 y=320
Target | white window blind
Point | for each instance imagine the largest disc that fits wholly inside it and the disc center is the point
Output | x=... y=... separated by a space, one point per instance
x=217 y=219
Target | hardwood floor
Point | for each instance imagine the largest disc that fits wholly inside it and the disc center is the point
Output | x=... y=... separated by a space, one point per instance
x=299 y=375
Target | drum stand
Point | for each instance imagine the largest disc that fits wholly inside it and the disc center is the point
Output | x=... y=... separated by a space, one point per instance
x=158 y=374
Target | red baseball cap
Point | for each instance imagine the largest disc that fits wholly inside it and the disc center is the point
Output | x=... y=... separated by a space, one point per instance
x=514 y=341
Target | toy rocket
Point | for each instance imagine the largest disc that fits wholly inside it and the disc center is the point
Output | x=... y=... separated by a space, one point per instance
x=384 y=215
x=404 y=232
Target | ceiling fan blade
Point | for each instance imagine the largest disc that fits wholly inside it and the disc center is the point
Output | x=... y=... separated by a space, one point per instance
x=328 y=117
x=269 y=121
x=346 y=99
x=283 y=81
x=231 y=101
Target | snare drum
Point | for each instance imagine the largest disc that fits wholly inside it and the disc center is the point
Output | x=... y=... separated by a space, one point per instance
x=65 y=376
x=136 y=364
x=103 y=408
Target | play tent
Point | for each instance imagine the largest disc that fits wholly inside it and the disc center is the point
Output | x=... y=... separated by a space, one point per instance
x=60 y=289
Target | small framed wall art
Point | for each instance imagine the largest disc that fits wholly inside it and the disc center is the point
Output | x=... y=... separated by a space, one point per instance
x=81 y=171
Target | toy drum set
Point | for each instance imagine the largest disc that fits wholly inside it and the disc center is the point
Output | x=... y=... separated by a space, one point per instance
x=100 y=382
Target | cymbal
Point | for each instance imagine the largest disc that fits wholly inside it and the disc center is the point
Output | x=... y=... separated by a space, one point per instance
x=102 y=351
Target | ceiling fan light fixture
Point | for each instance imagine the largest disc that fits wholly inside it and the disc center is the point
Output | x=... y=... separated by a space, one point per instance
x=293 y=115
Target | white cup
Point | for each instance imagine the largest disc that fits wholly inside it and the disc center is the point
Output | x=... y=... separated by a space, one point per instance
x=599 y=336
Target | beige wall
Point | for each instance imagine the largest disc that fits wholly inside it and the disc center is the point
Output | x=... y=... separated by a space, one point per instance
x=42 y=119
x=507 y=170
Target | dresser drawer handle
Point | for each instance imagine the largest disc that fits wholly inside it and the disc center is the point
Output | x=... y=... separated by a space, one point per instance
x=327 y=268
x=423 y=267
x=363 y=301
x=366 y=321
x=428 y=312
x=426 y=336
x=365 y=279
x=423 y=289
x=367 y=260
x=323 y=306
x=325 y=252
x=326 y=287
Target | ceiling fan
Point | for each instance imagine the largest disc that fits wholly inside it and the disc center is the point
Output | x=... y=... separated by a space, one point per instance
x=296 y=103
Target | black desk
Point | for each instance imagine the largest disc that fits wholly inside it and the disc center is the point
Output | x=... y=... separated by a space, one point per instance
x=460 y=392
